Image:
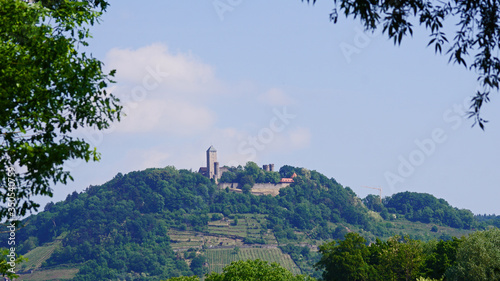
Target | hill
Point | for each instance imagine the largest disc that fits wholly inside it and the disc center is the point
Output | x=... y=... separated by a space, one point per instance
x=160 y=223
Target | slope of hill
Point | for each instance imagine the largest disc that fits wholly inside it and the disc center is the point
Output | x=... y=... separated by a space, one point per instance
x=159 y=223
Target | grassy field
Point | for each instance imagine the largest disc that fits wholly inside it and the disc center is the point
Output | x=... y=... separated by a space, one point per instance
x=51 y=274
x=423 y=229
x=416 y=230
x=218 y=258
x=30 y=269
x=38 y=255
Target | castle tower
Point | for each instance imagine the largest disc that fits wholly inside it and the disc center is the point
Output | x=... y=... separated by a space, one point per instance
x=211 y=159
x=217 y=171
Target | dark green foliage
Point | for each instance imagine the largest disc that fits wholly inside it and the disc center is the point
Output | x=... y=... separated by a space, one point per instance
x=48 y=89
x=250 y=175
x=485 y=220
x=477 y=257
x=304 y=258
x=428 y=209
x=373 y=203
x=246 y=188
x=255 y=270
x=216 y=217
x=442 y=257
x=345 y=259
x=286 y=171
x=311 y=200
x=399 y=258
x=197 y=265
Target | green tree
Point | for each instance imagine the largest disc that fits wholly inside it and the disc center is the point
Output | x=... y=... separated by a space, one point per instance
x=216 y=217
x=478 y=257
x=253 y=170
x=345 y=260
x=8 y=264
x=402 y=259
x=442 y=257
x=286 y=171
x=228 y=176
x=236 y=250
x=272 y=177
x=197 y=265
x=373 y=203
x=475 y=34
x=247 y=188
x=48 y=89
x=246 y=179
x=255 y=270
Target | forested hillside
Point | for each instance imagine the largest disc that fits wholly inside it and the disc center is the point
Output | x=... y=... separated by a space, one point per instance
x=119 y=230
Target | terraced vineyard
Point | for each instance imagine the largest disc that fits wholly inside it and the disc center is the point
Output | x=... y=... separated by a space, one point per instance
x=218 y=258
x=247 y=226
x=50 y=274
x=185 y=239
x=38 y=255
x=224 y=232
x=30 y=270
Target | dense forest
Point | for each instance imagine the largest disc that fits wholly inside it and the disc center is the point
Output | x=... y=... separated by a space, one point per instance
x=119 y=230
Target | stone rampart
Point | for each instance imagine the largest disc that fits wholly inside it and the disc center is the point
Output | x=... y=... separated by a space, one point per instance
x=258 y=188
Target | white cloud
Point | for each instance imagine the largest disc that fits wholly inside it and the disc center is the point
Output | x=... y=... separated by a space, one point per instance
x=276 y=97
x=163 y=92
x=178 y=72
x=169 y=116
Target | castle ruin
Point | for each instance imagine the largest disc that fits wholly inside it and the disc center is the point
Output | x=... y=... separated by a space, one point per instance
x=214 y=171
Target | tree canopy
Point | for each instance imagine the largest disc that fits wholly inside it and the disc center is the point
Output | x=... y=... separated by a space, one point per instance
x=475 y=43
x=255 y=270
x=48 y=89
x=345 y=259
x=477 y=257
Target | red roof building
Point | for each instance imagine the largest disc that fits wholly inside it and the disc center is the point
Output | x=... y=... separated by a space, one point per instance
x=288 y=180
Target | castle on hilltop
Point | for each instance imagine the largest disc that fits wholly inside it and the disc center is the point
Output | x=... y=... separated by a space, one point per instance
x=212 y=170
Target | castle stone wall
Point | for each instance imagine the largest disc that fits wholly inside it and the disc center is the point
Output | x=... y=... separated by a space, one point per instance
x=258 y=188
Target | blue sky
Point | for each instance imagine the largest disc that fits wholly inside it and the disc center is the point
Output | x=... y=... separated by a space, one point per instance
x=277 y=82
